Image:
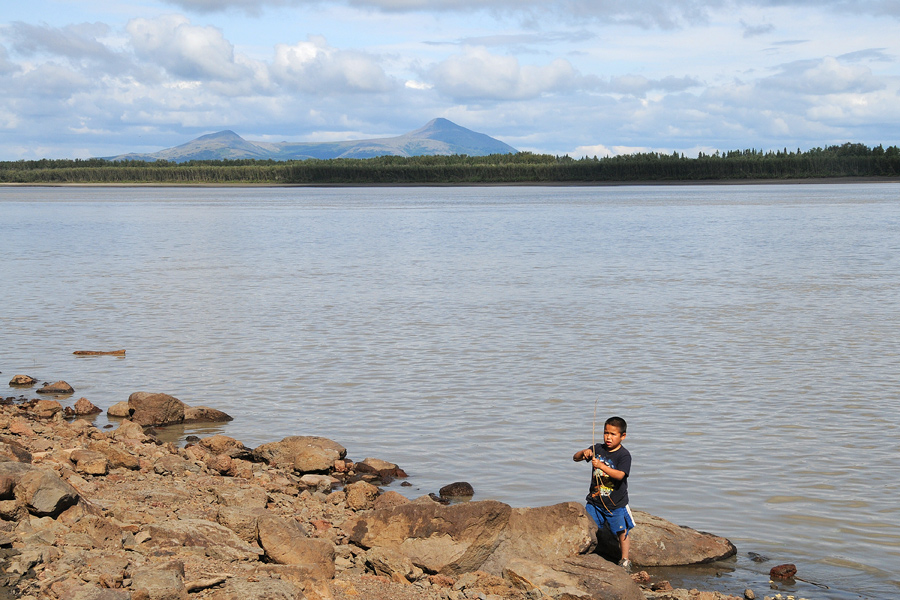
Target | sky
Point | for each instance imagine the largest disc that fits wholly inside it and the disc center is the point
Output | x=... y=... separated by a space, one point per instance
x=88 y=78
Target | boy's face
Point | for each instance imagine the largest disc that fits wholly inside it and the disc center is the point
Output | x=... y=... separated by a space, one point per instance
x=612 y=437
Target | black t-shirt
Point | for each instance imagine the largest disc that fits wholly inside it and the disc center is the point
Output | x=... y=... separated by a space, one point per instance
x=605 y=491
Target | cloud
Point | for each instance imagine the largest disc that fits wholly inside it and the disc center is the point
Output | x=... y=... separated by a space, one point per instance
x=185 y=50
x=823 y=76
x=756 y=30
x=479 y=75
x=316 y=68
x=7 y=67
x=638 y=85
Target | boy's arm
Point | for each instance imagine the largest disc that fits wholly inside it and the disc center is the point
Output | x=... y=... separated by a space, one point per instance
x=585 y=454
x=614 y=473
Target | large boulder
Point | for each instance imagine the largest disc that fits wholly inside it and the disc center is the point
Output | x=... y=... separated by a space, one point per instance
x=285 y=542
x=205 y=414
x=656 y=542
x=155 y=409
x=216 y=540
x=588 y=576
x=45 y=409
x=306 y=454
x=437 y=538
x=41 y=491
x=543 y=535
x=13 y=451
x=83 y=406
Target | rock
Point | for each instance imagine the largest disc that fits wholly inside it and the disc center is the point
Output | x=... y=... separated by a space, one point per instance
x=45 y=409
x=90 y=462
x=656 y=542
x=285 y=542
x=83 y=406
x=459 y=489
x=588 y=576
x=13 y=451
x=439 y=539
x=155 y=409
x=115 y=456
x=222 y=444
x=101 y=532
x=543 y=535
x=166 y=583
x=242 y=497
x=786 y=571
x=216 y=540
x=390 y=563
x=242 y=521
x=120 y=409
x=41 y=491
x=260 y=589
x=59 y=387
x=320 y=482
x=21 y=427
x=99 y=353
x=387 y=471
x=306 y=454
x=172 y=464
x=389 y=500
x=129 y=430
x=749 y=594
x=22 y=380
x=204 y=414
x=361 y=495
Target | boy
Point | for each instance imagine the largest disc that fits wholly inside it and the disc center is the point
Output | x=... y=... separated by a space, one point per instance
x=607 y=500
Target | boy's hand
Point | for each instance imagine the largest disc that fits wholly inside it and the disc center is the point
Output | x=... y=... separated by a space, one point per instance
x=588 y=454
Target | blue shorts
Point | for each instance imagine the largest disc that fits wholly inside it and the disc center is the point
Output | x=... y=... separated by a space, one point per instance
x=617 y=520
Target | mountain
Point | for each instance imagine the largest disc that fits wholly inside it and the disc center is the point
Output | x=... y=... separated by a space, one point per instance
x=438 y=136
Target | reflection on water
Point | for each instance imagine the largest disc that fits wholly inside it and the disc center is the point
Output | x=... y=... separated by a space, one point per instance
x=748 y=334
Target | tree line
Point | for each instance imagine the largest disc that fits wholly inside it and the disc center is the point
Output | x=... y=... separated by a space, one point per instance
x=847 y=160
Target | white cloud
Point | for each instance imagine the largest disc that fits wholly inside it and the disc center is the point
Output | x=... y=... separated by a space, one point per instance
x=823 y=76
x=185 y=50
x=314 y=67
x=478 y=74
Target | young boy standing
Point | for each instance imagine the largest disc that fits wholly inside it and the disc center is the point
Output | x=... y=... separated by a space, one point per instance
x=607 y=500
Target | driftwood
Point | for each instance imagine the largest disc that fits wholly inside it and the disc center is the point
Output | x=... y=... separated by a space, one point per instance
x=202 y=584
x=99 y=352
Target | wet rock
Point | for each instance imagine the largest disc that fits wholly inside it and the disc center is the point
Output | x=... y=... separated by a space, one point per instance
x=120 y=409
x=83 y=406
x=22 y=381
x=306 y=454
x=386 y=471
x=439 y=539
x=222 y=444
x=785 y=571
x=205 y=414
x=459 y=489
x=155 y=409
x=656 y=542
x=58 y=387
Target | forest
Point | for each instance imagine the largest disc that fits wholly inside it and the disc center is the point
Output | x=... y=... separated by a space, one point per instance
x=847 y=160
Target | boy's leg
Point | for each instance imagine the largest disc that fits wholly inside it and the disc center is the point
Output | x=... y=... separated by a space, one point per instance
x=624 y=544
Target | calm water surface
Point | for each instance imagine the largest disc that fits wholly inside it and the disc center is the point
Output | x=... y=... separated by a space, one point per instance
x=749 y=335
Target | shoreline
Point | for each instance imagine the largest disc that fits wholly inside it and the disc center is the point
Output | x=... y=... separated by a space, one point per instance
x=660 y=183
x=144 y=503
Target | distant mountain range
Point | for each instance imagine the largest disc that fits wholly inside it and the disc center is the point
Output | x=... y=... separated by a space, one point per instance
x=439 y=136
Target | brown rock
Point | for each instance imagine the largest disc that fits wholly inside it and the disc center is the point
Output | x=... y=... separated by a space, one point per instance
x=259 y=589
x=439 y=539
x=22 y=380
x=222 y=444
x=205 y=414
x=242 y=521
x=59 y=387
x=155 y=409
x=459 y=489
x=45 y=409
x=588 y=576
x=656 y=542
x=13 y=451
x=242 y=497
x=115 y=456
x=165 y=583
x=21 y=427
x=389 y=500
x=543 y=535
x=785 y=571
x=41 y=491
x=390 y=563
x=129 y=430
x=90 y=462
x=361 y=495
x=383 y=469
x=286 y=542
x=83 y=406
x=216 y=540
x=119 y=409
x=306 y=454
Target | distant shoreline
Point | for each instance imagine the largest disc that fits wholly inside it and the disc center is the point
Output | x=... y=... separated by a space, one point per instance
x=680 y=182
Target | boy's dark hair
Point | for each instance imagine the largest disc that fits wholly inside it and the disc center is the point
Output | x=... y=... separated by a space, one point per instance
x=618 y=422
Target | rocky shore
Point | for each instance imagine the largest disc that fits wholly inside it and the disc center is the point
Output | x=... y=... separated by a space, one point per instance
x=115 y=514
